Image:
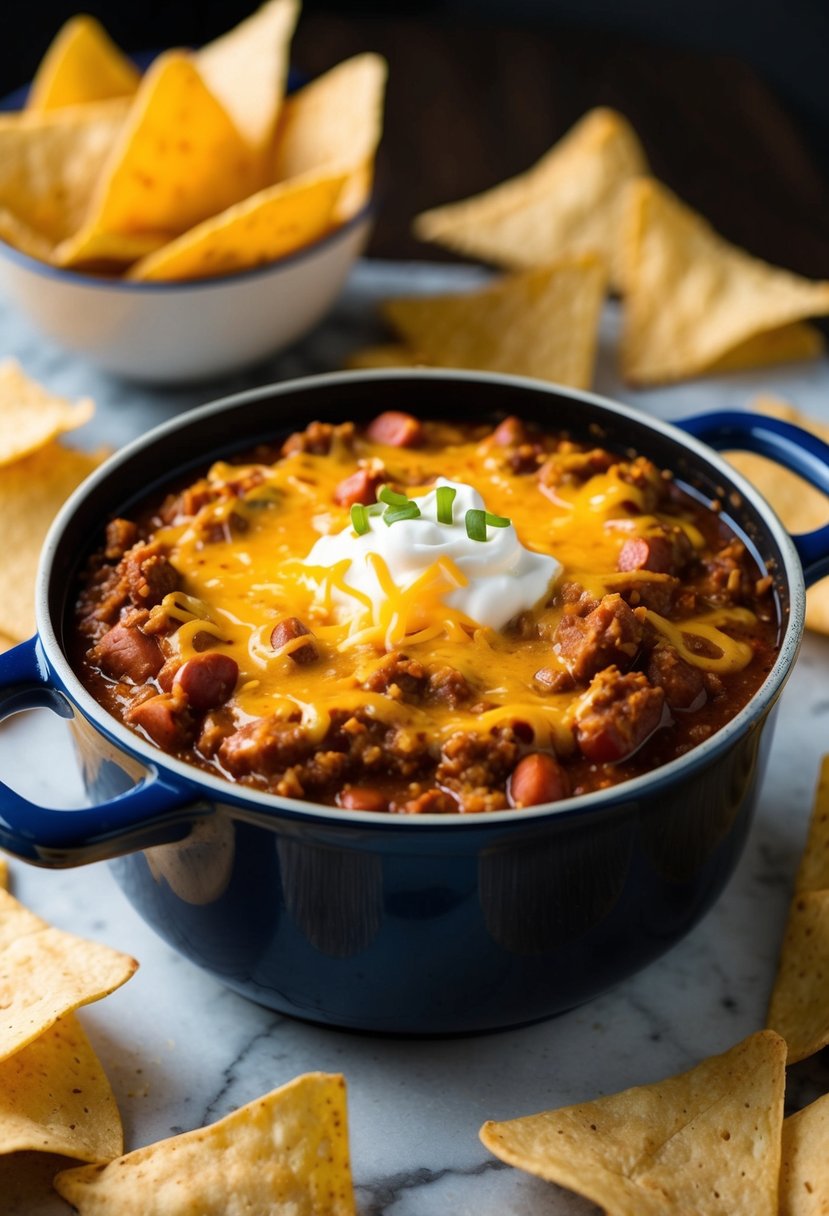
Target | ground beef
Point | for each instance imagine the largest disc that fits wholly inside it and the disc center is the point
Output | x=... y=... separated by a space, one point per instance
x=611 y=633
x=318 y=438
x=617 y=714
x=683 y=685
x=729 y=576
x=148 y=574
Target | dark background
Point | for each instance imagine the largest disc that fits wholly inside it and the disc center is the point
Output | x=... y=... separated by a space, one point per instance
x=730 y=99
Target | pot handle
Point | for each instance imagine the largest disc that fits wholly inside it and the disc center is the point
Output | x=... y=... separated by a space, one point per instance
x=791 y=446
x=146 y=814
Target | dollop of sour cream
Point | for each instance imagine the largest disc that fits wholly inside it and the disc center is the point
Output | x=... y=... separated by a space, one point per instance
x=503 y=577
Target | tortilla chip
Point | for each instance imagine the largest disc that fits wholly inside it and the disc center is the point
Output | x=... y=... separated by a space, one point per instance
x=247 y=70
x=568 y=203
x=813 y=873
x=541 y=323
x=391 y=354
x=32 y=490
x=285 y=1152
x=707 y=1141
x=335 y=124
x=46 y=973
x=55 y=1098
x=800 y=506
x=692 y=297
x=799 y=1005
x=178 y=160
x=789 y=344
x=48 y=167
x=82 y=64
x=804 y=1172
x=30 y=416
x=268 y=225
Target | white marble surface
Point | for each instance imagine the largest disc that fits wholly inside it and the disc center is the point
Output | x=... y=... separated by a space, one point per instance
x=181 y=1050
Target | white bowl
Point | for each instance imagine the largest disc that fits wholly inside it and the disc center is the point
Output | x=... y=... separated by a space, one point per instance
x=173 y=332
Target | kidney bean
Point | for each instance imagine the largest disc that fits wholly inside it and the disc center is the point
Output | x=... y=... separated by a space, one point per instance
x=362 y=798
x=361 y=487
x=285 y=631
x=207 y=680
x=537 y=778
x=654 y=553
x=396 y=429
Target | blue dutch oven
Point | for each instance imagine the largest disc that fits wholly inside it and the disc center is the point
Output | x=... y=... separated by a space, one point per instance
x=433 y=924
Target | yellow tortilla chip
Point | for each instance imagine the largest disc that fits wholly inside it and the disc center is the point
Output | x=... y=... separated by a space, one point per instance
x=46 y=973
x=55 y=1098
x=31 y=492
x=799 y=505
x=813 y=873
x=706 y=1142
x=692 y=297
x=789 y=344
x=247 y=69
x=568 y=203
x=268 y=225
x=82 y=64
x=392 y=354
x=285 y=1152
x=799 y=1005
x=48 y=167
x=30 y=416
x=804 y=1172
x=541 y=323
x=178 y=160
x=335 y=124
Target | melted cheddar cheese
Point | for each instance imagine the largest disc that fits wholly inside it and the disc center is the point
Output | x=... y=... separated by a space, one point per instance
x=242 y=560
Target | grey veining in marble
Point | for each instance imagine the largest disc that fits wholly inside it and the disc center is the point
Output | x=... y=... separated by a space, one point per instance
x=181 y=1050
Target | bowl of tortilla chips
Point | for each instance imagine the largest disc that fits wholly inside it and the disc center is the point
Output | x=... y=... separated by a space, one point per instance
x=185 y=221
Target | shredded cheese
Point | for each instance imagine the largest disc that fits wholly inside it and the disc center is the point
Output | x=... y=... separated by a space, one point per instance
x=240 y=586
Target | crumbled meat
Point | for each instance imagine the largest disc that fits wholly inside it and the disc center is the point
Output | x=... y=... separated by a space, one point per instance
x=148 y=574
x=448 y=686
x=215 y=728
x=433 y=802
x=121 y=534
x=611 y=633
x=265 y=746
x=399 y=677
x=617 y=714
x=647 y=479
x=658 y=594
x=729 y=576
x=683 y=685
x=318 y=438
x=572 y=467
x=471 y=764
x=553 y=679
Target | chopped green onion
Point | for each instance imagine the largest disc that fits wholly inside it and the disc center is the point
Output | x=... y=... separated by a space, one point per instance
x=359 y=519
x=476 y=525
x=388 y=495
x=394 y=514
x=445 y=496
x=376 y=508
x=476 y=522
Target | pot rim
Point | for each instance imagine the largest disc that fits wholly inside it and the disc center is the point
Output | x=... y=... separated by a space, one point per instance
x=227 y=792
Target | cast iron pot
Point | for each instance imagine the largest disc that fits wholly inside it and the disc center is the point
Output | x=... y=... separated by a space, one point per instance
x=427 y=925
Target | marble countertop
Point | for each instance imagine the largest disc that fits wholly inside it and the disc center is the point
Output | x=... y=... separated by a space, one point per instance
x=181 y=1050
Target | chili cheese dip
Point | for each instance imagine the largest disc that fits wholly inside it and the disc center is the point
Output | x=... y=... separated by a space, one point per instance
x=420 y=617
